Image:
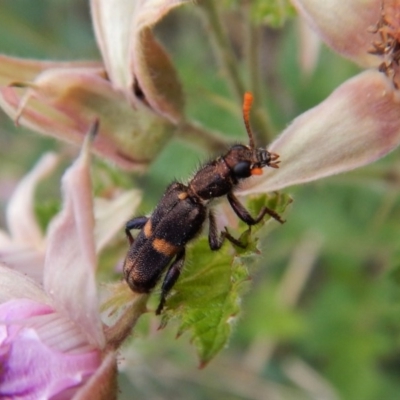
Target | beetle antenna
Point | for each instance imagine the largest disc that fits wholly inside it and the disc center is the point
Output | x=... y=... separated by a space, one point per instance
x=247 y=102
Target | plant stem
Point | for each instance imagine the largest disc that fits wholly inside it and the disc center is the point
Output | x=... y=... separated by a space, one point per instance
x=229 y=63
x=122 y=328
x=222 y=47
x=193 y=132
x=264 y=131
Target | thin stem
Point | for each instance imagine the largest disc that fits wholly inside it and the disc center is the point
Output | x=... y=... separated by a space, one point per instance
x=229 y=63
x=222 y=47
x=263 y=128
x=382 y=214
x=193 y=132
x=252 y=44
x=135 y=307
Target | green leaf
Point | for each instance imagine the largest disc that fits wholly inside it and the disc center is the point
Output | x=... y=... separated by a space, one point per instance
x=206 y=299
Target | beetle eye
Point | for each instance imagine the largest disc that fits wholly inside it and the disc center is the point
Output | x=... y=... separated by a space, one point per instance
x=242 y=169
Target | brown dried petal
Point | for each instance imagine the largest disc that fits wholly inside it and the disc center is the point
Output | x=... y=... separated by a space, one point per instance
x=157 y=78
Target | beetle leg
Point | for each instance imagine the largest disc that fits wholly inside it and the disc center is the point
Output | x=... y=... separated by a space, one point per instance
x=216 y=241
x=245 y=216
x=171 y=277
x=135 y=223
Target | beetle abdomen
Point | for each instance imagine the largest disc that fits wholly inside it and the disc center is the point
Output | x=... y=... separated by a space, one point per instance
x=175 y=221
x=145 y=263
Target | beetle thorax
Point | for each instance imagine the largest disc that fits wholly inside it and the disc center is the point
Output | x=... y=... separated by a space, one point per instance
x=212 y=180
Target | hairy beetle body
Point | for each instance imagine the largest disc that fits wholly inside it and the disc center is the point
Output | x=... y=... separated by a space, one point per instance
x=182 y=211
x=176 y=220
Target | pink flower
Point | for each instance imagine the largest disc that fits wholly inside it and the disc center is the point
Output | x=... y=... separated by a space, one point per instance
x=360 y=121
x=51 y=335
x=42 y=352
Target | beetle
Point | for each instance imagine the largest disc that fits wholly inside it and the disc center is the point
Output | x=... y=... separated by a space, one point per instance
x=183 y=210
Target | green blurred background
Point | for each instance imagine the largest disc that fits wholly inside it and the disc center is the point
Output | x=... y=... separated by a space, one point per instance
x=322 y=317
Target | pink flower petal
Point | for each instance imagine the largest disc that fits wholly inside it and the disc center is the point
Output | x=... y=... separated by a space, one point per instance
x=24 y=250
x=132 y=55
x=310 y=46
x=21 y=69
x=112 y=22
x=356 y=125
x=14 y=284
x=69 y=272
x=32 y=366
x=23 y=258
x=344 y=25
x=21 y=219
x=117 y=23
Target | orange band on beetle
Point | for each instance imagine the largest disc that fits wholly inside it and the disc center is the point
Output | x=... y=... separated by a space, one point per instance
x=147 y=229
x=164 y=247
x=256 y=171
